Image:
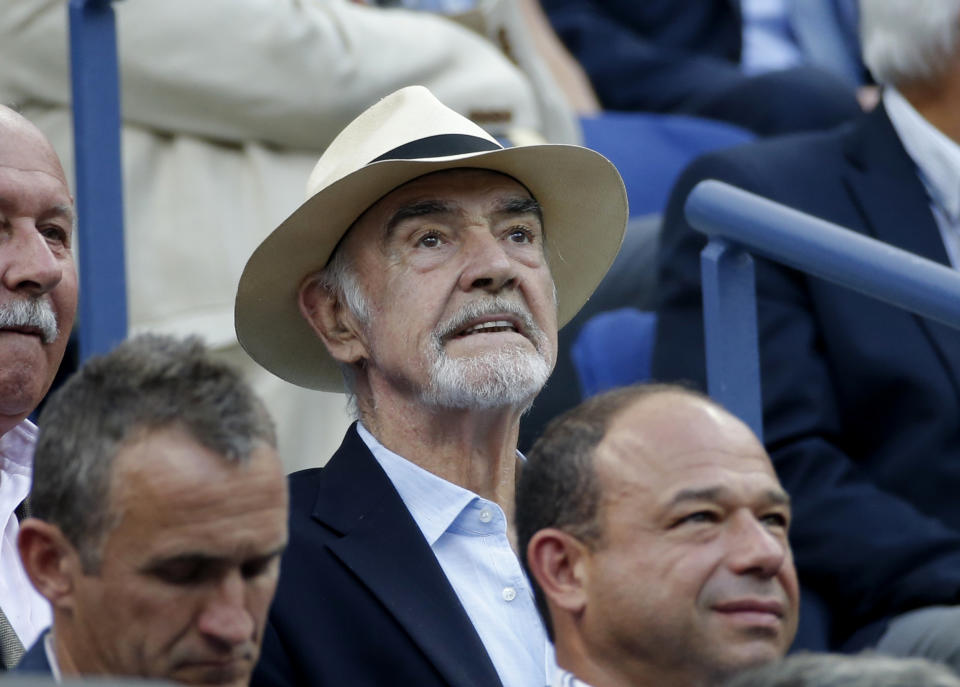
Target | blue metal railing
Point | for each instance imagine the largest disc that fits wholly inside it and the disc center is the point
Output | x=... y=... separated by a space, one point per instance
x=739 y=223
x=102 y=317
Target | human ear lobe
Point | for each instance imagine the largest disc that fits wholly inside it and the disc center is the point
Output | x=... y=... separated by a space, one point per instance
x=557 y=562
x=332 y=320
x=50 y=560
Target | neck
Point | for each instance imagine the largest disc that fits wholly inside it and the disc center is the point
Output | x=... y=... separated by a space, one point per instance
x=8 y=422
x=64 y=657
x=599 y=669
x=474 y=449
x=938 y=101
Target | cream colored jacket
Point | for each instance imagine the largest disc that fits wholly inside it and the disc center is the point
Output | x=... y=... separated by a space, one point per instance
x=227 y=104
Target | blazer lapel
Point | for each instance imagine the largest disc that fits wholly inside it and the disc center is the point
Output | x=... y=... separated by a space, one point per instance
x=883 y=180
x=385 y=549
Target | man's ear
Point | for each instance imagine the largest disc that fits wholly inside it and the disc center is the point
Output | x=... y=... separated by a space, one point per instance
x=332 y=320
x=558 y=561
x=51 y=561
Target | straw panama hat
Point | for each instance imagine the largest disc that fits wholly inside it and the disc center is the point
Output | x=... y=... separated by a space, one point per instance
x=405 y=135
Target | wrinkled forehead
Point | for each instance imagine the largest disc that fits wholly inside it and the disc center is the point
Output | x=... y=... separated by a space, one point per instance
x=453 y=187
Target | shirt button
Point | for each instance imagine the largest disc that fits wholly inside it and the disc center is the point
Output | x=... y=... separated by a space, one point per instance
x=509 y=593
x=486 y=515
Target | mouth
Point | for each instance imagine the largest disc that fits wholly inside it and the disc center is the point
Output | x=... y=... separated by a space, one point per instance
x=752 y=611
x=489 y=325
x=24 y=330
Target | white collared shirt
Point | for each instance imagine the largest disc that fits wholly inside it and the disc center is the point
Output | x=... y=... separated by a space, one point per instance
x=937 y=157
x=768 y=42
x=564 y=678
x=28 y=612
x=50 y=650
x=468 y=535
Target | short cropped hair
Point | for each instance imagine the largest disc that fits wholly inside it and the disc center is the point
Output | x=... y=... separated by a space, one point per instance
x=145 y=384
x=558 y=487
x=837 y=670
x=906 y=41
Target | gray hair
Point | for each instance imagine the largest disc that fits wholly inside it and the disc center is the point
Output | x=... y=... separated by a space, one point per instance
x=145 y=384
x=558 y=487
x=340 y=278
x=836 y=670
x=906 y=41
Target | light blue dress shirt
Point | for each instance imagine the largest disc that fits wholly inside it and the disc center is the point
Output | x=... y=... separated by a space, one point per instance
x=937 y=157
x=468 y=535
x=565 y=678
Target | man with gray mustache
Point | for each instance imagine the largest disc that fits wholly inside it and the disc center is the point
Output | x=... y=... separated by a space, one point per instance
x=426 y=272
x=38 y=302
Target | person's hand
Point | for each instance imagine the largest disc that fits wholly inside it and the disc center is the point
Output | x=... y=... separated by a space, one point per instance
x=868 y=97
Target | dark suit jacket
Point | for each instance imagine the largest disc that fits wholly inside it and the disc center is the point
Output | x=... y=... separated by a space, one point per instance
x=656 y=55
x=35 y=660
x=681 y=56
x=861 y=400
x=362 y=600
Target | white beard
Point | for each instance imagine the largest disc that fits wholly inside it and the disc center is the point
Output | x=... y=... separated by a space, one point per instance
x=510 y=376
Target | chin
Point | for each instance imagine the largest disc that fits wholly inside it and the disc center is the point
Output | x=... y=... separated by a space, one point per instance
x=752 y=654
x=223 y=676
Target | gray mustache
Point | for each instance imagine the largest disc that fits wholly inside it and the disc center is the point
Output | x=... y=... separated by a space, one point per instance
x=495 y=306
x=35 y=313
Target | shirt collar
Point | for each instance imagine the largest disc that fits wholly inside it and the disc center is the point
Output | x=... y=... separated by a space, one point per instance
x=16 y=448
x=50 y=650
x=564 y=678
x=433 y=502
x=936 y=155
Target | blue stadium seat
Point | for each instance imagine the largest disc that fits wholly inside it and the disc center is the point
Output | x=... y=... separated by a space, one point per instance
x=650 y=150
x=614 y=348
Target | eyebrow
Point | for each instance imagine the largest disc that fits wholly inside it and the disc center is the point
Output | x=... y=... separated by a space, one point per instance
x=63 y=210
x=421 y=208
x=773 y=496
x=521 y=206
x=200 y=558
x=418 y=209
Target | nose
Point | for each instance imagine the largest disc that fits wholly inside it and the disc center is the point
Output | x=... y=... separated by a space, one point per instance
x=28 y=262
x=488 y=266
x=755 y=549
x=225 y=617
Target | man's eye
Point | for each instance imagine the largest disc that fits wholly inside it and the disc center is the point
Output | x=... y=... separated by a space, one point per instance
x=521 y=235
x=179 y=573
x=429 y=240
x=775 y=520
x=699 y=517
x=55 y=234
x=258 y=566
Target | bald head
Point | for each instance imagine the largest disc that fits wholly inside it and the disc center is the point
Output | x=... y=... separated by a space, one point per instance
x=655 y=527
x=659 y=432
x=38 y=279
x=23 y=145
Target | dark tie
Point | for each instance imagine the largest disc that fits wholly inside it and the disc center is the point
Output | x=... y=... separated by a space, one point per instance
x=11 y=648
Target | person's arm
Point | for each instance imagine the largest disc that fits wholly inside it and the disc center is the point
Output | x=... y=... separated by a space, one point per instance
x=869 y=552
x=286 y=72
x=567 y=72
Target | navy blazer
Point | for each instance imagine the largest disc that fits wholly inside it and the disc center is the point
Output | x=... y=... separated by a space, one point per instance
x=35 y=659
x=861 y=400
x=362 y=600
x=656 y=55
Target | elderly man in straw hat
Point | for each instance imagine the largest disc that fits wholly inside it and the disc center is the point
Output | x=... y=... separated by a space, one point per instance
x=427 y=272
